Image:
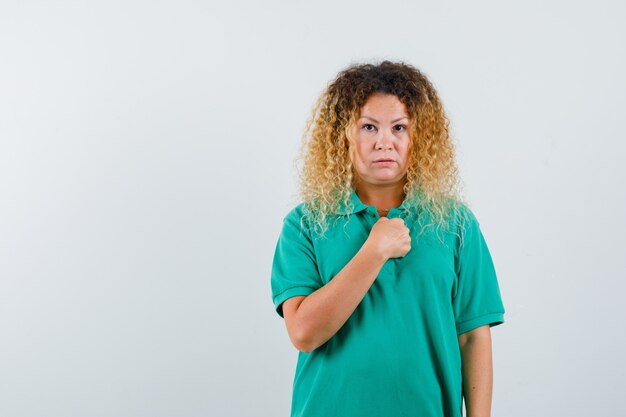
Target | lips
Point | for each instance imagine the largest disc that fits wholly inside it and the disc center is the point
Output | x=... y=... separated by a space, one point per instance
x=384 y=160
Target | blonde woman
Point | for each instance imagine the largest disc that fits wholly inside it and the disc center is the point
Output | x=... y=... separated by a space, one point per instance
x=382 y=274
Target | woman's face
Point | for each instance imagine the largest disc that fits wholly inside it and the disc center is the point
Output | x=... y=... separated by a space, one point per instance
x=381 y=132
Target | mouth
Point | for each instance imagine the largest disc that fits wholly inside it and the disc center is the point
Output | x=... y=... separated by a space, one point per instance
x=384 y=160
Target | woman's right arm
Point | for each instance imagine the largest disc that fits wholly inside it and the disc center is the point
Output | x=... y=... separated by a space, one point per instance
x=312 y=320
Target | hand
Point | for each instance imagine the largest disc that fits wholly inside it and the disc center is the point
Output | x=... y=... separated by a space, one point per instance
x=391 y=237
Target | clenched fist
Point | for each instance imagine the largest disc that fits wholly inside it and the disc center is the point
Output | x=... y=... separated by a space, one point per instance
x=391 y=237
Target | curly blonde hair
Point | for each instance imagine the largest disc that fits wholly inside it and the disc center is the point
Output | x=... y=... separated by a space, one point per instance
x=327 y=178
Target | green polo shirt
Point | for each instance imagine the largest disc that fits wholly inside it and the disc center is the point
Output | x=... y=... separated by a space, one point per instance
x=398 y=353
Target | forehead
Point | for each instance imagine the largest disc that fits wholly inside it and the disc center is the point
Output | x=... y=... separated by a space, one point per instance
x=383 y=104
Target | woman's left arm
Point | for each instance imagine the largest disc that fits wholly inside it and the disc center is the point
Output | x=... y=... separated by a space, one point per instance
x=477 y=370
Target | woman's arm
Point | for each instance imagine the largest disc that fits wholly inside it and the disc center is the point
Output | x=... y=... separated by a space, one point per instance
x=314 y=319
x=477 y=370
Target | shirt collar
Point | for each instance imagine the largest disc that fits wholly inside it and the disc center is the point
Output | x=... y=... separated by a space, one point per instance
x=358 y=205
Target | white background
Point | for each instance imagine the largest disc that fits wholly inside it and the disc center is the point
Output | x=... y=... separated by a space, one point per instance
x=147 y=160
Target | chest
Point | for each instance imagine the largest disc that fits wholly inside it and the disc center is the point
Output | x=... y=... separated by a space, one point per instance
x=429 y=266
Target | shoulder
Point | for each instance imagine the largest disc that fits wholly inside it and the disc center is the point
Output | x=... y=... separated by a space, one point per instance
x=296 y=220
x=466 y=217
x=296 y=216
x=295 y=213
x=466 y=225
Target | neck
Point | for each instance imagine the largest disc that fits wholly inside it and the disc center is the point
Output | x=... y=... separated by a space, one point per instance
x=383 y=198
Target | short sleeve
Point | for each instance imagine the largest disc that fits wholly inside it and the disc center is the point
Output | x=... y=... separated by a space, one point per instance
x=477 y=300
x=294 y=268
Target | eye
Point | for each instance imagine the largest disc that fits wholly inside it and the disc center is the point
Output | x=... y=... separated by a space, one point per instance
x=400 y=128
x=367 y=127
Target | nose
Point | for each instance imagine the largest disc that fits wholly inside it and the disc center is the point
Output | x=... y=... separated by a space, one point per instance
x=383 y=141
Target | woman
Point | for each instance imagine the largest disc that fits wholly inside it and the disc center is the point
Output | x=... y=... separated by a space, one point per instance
x=382 y=274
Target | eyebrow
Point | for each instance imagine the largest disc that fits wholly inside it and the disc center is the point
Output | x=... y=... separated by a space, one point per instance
x=376 y=121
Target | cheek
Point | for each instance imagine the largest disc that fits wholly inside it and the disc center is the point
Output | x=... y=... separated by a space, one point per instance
x=404 y=155
x=361 y=154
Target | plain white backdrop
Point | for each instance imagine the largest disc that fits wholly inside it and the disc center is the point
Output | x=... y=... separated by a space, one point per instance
x=147 y=161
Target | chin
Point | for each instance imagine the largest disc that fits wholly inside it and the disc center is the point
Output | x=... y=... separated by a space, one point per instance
x=386 y=180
